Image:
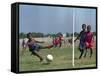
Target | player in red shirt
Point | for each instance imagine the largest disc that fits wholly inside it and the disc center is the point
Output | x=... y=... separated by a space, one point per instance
x=89 y=40
x=55 y=41
x=60 y=41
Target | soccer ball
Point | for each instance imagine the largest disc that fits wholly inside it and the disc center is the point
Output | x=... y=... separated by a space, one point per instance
x=49 y=58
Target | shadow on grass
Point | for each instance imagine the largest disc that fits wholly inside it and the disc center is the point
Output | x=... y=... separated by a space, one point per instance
x=45 y=63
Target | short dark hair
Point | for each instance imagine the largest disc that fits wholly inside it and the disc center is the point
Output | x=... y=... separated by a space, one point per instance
x=83 y=25
x=29 y=34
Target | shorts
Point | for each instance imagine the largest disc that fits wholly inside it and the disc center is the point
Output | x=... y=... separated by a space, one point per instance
x=82 y=45
x=89 y=45
x=35 y=47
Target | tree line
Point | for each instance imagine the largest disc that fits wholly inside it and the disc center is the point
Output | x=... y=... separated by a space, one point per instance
x=37 y=35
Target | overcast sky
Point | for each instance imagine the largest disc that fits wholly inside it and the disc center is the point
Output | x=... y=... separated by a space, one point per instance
x=47 y=19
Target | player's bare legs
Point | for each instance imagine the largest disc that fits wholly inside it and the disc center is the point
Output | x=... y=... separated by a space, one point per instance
x=91 y=52
x=82 y=51
x=46 y=47
x=36 y=54
x=85 y=53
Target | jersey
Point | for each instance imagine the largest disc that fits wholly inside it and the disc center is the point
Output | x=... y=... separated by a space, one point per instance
x=82 y=36
x=89 y=37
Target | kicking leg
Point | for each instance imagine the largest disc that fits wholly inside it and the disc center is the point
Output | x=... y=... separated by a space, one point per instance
x=36 y=54
x=46 y=47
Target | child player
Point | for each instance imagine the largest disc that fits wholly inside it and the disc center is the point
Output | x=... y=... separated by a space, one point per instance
x=23 y=46
x=34 y=47
x=55 y=41
x=60 y=40
x=82 y=36
x=89 y=40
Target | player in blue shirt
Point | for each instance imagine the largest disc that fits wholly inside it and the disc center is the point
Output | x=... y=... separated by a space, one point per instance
x=82 y=37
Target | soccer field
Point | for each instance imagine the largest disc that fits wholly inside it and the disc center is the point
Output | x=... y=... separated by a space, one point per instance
x=62 y=59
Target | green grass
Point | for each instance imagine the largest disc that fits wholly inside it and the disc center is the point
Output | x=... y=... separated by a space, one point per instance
x=62 y=60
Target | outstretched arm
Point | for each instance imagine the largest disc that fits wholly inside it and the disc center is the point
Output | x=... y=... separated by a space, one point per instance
x=39 y=41
x=77 y=37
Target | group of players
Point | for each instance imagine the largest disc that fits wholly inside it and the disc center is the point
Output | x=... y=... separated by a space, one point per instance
x=86 y=40
x=57 y=41
x=85 y=36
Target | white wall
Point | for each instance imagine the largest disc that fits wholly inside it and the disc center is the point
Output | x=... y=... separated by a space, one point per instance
x=5 y=25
